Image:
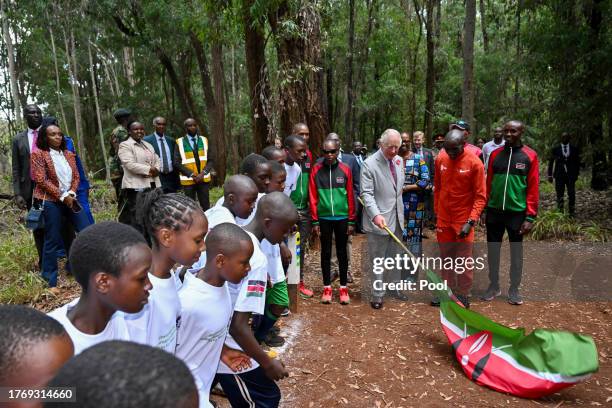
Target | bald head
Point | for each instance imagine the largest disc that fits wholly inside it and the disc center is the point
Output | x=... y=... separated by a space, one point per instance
x=227 y=239
x=277 y=205
x=454 y=143
x=239 y=184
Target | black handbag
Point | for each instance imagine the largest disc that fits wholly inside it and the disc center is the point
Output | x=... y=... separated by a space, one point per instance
x=34 y=219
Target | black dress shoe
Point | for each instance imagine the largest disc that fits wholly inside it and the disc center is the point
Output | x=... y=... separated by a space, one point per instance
x=376 y=303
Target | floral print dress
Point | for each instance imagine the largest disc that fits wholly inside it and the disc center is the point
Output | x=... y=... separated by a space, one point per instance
x=417 y=172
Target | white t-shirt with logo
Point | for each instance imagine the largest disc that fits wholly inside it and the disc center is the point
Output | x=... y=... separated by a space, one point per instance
x=116 y=328
x=155 y=325
x=275 y=263
x=205 y=318
x=249 y=296
x=293 y=172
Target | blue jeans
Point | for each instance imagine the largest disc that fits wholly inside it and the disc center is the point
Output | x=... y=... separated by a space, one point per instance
x=53 y=212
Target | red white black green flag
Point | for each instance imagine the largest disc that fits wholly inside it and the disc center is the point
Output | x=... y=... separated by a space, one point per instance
x=507 y=360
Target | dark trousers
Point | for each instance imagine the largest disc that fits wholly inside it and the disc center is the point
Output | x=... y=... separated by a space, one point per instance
x=55 y=214
x=201 y=191
x=170 y=182
x=304 y=227
x=560 y=184
x=331 y=229
x=250 y=389
x=130 y=200
x=499 y=222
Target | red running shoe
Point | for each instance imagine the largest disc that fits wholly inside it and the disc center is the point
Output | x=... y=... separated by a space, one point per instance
x=326 y=298
x=344 y=296
x=304 y=291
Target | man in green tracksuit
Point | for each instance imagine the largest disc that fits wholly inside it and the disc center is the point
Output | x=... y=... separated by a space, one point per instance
x=512 y=205
x=332 y=207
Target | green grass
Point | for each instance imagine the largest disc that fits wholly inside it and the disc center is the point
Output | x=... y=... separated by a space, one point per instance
x=20 y=283
x=554 y=224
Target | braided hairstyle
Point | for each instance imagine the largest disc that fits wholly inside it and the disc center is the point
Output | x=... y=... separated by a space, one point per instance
x=156 y=210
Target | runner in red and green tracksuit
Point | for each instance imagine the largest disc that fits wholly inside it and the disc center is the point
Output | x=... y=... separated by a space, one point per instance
x=332 y=207
x=512 y=205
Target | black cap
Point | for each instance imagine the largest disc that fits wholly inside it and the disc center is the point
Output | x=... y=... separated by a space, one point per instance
x=121 y=113
x=461 y=124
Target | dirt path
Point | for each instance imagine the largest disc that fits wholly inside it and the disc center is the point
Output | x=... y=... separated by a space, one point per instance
x=355 y=356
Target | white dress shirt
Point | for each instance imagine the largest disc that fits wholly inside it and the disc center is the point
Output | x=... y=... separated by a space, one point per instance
x=63 y=171
x=165 y=147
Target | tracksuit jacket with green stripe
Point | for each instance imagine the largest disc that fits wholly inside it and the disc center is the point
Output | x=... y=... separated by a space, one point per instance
x=513 y=180
x=331 y=192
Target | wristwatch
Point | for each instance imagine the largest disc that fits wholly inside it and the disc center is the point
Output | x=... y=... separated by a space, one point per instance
x=471 y=222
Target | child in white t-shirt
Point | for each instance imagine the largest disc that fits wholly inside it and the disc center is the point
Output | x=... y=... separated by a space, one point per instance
x=274 y=218
x=175 y=226
x=240 y=195
x=110 y=261
x=207 y=307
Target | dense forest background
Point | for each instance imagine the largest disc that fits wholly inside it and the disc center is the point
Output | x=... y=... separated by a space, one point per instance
x=248 y=69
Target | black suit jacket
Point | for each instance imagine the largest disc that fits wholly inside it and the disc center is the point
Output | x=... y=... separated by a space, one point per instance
x=172 y=178
x=557 y=164
x=22 y=182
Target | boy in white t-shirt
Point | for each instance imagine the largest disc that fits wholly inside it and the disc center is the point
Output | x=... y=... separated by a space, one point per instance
x=239 y=193
x=207 y=307
x=275 y=216
x=110 y=261
x=175 y=225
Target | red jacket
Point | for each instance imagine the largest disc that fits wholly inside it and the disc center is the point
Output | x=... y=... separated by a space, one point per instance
x=43 y=174
x=459 y=189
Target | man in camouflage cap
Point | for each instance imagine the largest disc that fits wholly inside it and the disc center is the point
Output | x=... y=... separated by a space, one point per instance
x=118 y=135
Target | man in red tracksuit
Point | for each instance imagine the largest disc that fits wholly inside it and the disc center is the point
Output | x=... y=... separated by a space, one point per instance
x=332 y=206
x=459 y=197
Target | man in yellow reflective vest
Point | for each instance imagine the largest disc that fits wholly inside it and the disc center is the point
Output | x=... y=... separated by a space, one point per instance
x=191 y=158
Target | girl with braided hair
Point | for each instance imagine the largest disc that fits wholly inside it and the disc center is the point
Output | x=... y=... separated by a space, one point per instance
x=175 y=227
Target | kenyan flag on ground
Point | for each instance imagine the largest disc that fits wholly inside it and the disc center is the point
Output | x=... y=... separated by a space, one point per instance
x=507 y=360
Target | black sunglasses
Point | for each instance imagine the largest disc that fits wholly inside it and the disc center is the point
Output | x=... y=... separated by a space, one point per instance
x=334 y=151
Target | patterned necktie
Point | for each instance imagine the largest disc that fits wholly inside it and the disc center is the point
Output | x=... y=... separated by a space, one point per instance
x=165 y=167
x=392 y=168
x=34 y=139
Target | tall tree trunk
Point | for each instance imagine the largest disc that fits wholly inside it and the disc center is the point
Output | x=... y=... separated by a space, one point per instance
x=98 y=115
x=73 y=70
x=348 y=121
x=214 y=107
x=483 y=26
x=257 y=73
x=58 y=89
x=329 y=94
x=519 y=8
x=430 y=76
x=221 y=137
x=360 y=82
x=300 y=61
x=6 y=34
x=128 y=63
x=467 y=94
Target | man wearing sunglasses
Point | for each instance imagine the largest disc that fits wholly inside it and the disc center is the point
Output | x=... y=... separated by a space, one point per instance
x=382 y=178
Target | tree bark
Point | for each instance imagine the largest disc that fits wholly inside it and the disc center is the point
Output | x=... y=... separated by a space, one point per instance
x=73 y=70
x=58 y=89
x=430 y=76
x=98 y=115
x=6 y=34
x=257 y=73
x=483 y=26
x=348 y=120
x=214 y=107
x=299 y=57
x=467 y=94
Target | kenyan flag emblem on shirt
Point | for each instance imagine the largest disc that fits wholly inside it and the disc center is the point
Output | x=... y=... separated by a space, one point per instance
x=256 y=288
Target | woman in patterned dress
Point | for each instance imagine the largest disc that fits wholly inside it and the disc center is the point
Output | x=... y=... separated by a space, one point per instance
x=416 y=180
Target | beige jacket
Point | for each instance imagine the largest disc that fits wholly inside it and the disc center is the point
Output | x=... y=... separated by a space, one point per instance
x=136 y=160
